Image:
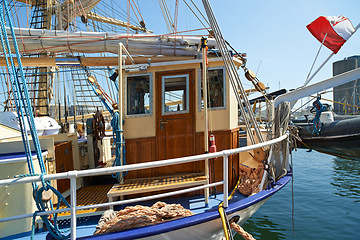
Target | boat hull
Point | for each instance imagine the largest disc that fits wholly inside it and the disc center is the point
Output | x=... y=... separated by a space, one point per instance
x=200 y=226
x=339 y=138
x=207 y=230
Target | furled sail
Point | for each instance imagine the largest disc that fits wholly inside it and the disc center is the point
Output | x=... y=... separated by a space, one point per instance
x=45 y=41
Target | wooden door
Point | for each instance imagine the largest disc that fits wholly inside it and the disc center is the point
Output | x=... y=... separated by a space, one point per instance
x=175 y=127
x=64 y=163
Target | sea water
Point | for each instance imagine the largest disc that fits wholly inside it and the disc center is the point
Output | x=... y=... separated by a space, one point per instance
x=326 y=198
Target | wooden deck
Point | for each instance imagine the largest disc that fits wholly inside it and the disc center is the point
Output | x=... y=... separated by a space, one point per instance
x=89 y=195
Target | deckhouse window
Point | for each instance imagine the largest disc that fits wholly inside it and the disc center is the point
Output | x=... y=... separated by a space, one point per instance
x=216 y=88
x=175 y=94
x=139 y=94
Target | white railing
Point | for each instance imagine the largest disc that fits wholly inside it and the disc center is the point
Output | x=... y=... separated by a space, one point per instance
x=73 y=175
x=318 y=87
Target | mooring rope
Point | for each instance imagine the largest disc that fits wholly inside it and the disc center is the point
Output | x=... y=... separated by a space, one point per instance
x=225 y=222
x=241 y=231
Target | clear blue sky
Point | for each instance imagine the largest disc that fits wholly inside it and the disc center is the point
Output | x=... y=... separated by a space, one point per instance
x=274 y=33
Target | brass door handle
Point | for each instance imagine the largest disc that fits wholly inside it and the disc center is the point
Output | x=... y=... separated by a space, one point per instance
x=162 y=122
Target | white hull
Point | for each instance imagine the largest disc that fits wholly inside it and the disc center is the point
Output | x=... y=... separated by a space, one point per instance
x=211 y=230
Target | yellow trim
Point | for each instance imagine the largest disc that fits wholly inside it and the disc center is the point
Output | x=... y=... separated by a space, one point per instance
x=345 y=104
x=222 y=212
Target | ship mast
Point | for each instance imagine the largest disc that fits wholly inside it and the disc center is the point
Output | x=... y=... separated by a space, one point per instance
x=41 y=19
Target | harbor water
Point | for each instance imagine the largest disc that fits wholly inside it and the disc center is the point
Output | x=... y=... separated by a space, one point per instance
x=326 y=197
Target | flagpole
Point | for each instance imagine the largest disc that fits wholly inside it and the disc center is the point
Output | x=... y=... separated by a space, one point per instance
x=322 y=65
x=307 y=78
x=312 y=76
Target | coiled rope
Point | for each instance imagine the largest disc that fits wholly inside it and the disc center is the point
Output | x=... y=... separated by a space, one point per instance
x=52 y=227
x=139 y=216
x=316 y=122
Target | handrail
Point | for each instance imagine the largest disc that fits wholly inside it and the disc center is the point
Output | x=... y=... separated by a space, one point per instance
x=108 y=204
x=138 y=166
x=72 y=175
x=317 y=87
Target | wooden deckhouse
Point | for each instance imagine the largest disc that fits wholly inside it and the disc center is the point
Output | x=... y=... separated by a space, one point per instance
x=164 y=115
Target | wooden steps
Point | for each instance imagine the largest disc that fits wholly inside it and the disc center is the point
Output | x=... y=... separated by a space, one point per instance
x=145 y=185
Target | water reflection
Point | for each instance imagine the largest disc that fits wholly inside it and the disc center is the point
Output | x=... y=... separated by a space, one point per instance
x=263 y=228
x=346 y=178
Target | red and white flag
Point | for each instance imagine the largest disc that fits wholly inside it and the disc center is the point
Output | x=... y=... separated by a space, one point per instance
x=338 y=30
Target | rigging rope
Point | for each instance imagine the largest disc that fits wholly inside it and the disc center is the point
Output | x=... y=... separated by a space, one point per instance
x=128 y=21
x=142 y=19
x=82 y=9
x=24 y=111
x=118 y=135
x=234 y=77
x=307 y=78
x=254 y=81
x=302 y=105
x=166 y=15
x=194 y=13
x=200 y=12
x=17 y=16
x=119 y=143
x=21 y=91
x=122 y=14
x=134 y=11
x=101 y=94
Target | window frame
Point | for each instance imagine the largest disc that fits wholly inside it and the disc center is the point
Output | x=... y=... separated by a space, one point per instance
x=151 y=90
x=163 y=94
x=224 y=89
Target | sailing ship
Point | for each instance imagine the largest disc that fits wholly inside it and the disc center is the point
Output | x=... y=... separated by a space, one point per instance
x=165 y=109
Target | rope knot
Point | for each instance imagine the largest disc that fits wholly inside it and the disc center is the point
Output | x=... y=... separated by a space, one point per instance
x=44 y=183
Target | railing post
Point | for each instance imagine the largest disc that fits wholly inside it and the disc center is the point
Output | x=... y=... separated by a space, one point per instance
x=73 y=206
x=120 y=101
x=226 y=180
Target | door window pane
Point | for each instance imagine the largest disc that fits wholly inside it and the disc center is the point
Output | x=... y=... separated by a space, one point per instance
x=138 y=94
x=175 y=97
